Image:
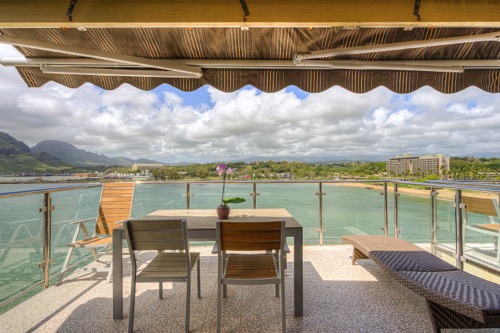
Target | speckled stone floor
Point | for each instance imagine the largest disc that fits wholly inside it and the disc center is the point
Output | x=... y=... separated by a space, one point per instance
x=338 y=297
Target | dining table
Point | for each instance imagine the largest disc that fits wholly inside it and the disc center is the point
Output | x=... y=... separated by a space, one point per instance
x=201 y=225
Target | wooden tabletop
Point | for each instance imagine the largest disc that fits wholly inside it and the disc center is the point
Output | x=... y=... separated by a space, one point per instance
x=205 y=218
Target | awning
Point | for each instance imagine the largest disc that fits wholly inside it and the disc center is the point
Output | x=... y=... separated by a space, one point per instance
x=268 y=58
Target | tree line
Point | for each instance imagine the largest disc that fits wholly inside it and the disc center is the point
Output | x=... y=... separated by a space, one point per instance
x=460 y=168
x=271 y=170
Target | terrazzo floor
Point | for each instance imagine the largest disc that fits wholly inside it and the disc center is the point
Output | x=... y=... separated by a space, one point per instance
x=338 y=297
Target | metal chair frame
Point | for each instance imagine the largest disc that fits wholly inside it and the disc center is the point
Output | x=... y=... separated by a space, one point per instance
x=161 y=234
x=235 y=240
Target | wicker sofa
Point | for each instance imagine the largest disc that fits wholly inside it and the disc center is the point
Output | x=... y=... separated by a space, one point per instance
x=455 y=299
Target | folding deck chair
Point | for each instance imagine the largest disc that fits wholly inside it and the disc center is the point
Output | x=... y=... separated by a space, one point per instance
x=115 y=206
x=485 y=207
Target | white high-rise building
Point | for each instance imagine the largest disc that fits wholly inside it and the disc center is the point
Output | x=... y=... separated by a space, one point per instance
x=427 y=165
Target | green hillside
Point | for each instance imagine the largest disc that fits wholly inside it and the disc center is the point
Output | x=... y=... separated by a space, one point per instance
x=75 y=156
x=19 y=163
x=10 y=146
x=16 y=157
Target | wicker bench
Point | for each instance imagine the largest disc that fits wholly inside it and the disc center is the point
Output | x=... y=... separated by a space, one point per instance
x=455 y=299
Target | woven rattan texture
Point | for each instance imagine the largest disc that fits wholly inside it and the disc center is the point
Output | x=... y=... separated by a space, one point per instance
x=456 y=299
x=420 y=261
x=443 y=318
x=368 y=243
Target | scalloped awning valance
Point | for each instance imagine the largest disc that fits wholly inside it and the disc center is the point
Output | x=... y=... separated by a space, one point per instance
x=268 y=58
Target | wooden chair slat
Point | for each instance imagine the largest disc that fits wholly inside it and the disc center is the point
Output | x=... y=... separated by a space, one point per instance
x=243 y=225
x=157 y=246
x=479 y=205
x=158 y=235
x=116 y=205
x=150 y=224
x=256 y=246
x=251 y=236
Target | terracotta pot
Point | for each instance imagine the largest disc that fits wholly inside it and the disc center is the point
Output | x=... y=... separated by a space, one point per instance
x=223 y=212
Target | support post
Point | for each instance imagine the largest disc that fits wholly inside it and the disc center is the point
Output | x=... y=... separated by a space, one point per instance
x=254 y=194
x=433 y=197
x=396 y=211
x=321 y=213
x=386 y=211
x=459 y=239
x=46 y=211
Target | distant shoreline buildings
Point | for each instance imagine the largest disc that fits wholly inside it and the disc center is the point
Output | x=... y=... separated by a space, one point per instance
x=147 y=166
x=411 y=165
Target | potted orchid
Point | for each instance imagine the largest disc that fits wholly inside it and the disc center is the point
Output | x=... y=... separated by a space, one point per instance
x=223 y=209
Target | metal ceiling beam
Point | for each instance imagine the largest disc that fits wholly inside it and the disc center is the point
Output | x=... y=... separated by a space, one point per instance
x=420 y=66
x=224 y=13
x=83 y=52
x=114 y=72
x=228 y=63
x=90 y=66
x=493 y=36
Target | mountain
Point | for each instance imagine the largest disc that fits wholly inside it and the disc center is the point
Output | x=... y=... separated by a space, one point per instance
x=11 y=146
x=75 y=156
x=16 y=156
x=52 y=156
x=82 y=158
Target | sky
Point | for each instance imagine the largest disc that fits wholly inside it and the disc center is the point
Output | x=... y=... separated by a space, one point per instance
x=171 y=126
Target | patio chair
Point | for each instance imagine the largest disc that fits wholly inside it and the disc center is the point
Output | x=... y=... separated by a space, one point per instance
x=161 y=234
x=487 y=207
x=115 y=207
x=239 y=264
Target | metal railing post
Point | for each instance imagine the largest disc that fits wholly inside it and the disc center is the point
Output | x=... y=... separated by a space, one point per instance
x=396 y=208
x=254 y=195
x=46 y=211
x=433 y=199
x=386 y=211
x=320 y=229
x=459 y=240
x=188 y=196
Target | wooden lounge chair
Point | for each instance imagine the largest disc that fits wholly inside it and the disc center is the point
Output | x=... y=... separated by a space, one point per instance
x=239 y=264
x=115 y=206
x=455 y=299
x=488 y=208
x=161 y=234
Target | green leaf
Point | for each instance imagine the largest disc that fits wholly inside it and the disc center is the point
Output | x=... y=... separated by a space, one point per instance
x=233 y=200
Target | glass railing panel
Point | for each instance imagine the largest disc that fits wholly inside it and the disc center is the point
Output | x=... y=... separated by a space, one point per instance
x=71 y=206
x=298 y=199
x=481 y=227
x=21 y=249
x=352 y=209
x=209 y=195
x=414 y=214
x=445 y=220
x=150 y=197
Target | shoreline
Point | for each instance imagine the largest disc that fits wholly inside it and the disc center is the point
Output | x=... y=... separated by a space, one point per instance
x=443 y=193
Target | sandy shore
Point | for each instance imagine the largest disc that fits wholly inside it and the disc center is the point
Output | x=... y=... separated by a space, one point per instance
x=443 y=193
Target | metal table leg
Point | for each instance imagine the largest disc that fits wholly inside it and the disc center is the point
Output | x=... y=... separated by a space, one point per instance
x=298 y=273
x=117 y=274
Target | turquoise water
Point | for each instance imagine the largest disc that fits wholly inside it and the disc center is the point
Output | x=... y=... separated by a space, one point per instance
x=346 y=210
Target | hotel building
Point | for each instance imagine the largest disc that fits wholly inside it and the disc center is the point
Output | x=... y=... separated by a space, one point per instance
x=427 y=165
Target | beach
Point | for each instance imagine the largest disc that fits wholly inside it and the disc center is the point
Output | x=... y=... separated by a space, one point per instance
x=443 y=193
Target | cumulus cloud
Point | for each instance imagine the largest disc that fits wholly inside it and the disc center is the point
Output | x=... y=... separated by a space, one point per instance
x=335 y=124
